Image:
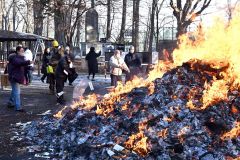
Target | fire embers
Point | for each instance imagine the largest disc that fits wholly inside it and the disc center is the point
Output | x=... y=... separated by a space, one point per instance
x=152 y=125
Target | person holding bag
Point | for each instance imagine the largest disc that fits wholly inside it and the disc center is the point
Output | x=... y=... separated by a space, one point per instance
x=16 y=70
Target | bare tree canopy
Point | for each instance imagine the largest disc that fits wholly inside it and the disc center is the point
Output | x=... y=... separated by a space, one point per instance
x=186 y=13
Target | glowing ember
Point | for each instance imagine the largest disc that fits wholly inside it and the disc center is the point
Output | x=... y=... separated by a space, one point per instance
x=234 y=110
x=234 y=133
x=163 y=133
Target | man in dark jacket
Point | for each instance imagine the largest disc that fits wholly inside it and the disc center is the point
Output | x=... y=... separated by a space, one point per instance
x=92 y=62
x=134 y=64
x=55 y=58
x=16 y=70
x=62 y=72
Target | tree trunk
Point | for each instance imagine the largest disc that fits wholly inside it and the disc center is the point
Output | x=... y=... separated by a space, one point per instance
x=77 y=42
x=133 y=23
x=108 y=35
x=38 y=9
x=158 y=9
x=135 y=39
x=59 y=22
x=146 y=39
x=186 y=15
x=14 y=15
x=154 y=5
x=182 y=29
x=123 y=26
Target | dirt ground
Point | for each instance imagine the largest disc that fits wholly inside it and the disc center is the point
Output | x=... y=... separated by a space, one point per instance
x=36 y=100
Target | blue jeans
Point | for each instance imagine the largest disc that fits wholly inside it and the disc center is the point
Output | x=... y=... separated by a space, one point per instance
x=15 y=95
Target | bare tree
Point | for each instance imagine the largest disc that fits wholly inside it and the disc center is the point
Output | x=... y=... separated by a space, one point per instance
x=230 y=8
x=135 y=26
x=123 y=24
x=5 y=9
x=66 y=18
x=152 y=27
x=39 y=13
x=158 y=9
x=109 y=4
x=185 y=14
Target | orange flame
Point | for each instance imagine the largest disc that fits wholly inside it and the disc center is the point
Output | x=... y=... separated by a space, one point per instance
x=60 y=113
x=218 y=44
x=216 y=92
x=88 y=102
x=138 y=143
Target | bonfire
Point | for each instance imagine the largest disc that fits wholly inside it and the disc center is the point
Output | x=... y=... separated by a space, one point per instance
x=185 y=109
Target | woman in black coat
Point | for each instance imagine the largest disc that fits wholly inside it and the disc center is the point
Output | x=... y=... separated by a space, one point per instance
x=92 y=62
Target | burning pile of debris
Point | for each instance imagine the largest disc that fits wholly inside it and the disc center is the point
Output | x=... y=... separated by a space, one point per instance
x=158 y=124
x=186 y=110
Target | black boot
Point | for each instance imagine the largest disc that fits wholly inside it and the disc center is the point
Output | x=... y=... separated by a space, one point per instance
x=61 y=100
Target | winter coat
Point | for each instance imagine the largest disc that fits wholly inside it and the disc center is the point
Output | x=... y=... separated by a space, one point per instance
x=115 y=66
x=132 y=60
x=134 y=63
x=63 y=69
x=71 y=55
x=55 y=58
x=16 y=69
x=28 y=56
x=45 y=61
x=92 y=61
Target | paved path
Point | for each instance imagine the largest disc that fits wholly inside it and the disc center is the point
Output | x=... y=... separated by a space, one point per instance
x=36 y=100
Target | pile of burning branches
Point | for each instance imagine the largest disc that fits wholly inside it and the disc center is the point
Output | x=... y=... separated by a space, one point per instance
x=186 y=110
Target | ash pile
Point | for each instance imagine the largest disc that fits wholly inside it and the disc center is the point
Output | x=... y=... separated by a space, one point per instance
x=145 y=124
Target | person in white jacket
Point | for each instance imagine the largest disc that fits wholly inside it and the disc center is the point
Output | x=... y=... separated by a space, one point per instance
x=29 y=69
x=117 y=65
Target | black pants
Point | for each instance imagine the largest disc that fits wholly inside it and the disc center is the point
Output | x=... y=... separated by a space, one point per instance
x=59 y=88
x=44 y=76
x=89 y=74
x=51 y=79
x=115 y=79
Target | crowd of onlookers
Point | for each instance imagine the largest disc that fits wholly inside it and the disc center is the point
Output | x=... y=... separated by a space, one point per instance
x=57 y=68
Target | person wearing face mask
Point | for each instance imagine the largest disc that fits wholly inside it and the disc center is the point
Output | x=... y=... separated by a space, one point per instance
x=17 y=65
x=134 y=64
x=45 y=62
x=117 y=65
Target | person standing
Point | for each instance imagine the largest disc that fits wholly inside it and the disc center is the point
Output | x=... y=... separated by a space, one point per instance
x=55 y=58
x=45 y=62
x=134 y=64
x=74 y=75
x=29 y=69
x=17 y=65
x=92 y=62
x=117 y=64
x=62 y=72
